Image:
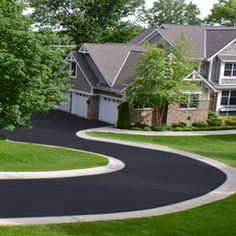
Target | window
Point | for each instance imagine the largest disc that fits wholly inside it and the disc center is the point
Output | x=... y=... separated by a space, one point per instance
x=228 y=98
x=191 y=101
x=73 y=68
x=230 y=70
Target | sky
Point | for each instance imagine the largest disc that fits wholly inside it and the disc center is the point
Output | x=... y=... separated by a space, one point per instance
x=204 y=5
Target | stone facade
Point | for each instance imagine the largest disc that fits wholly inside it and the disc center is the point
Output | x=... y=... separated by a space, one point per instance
x=93 y=107
x=188 y=116
x=143 y=116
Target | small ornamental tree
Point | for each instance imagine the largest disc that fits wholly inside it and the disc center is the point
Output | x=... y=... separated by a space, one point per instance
x=31 y=73
x=123 y=116
x=159 y=79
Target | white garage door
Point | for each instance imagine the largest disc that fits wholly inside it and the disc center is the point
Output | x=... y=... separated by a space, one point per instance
x=79 y=104
x=66 y=106
x=108 y=109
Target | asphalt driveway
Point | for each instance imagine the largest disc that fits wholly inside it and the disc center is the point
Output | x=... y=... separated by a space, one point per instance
x=150 y=179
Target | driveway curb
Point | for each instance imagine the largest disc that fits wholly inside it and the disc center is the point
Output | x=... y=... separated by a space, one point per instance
x=225 y=190
x=164 y=133
x=112 y=166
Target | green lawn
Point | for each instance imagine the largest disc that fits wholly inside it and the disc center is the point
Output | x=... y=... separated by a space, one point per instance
x=215 y=219
x=220 y=147
x=29 y=157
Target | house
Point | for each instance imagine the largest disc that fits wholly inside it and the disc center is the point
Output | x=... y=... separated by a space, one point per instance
x=100 y=72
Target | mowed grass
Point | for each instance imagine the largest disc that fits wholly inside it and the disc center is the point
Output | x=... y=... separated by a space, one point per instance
x=30 y=157
x=215 y=219
x=218 y=147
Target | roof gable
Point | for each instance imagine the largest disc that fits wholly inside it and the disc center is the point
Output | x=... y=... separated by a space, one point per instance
x=206 y=40
x=216 y=40
x=109 y=58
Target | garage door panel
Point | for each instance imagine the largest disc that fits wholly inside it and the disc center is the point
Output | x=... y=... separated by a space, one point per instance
x=79 y=104
x=108 y=110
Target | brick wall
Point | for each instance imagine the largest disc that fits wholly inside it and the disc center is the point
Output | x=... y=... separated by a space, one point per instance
x=143 y=116
x=188 y=116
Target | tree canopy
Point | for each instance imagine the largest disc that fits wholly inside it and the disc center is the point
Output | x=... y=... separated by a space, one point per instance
x=159 y=79
x=84 y=20
x=121 y=33
x=31 y=73
x=224 y=13
x=172 y=12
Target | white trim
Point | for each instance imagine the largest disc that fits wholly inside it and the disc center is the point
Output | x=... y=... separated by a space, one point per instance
x=222 y=49
x=204 y=80
x=164 y=37
x=210 y=70
x=221 y=72
x=82 y=92
x=104 y=95
x=83 y=50
x=146 y=37
x=218 y=102
x=126 y=58
x=204 y=43
x=194 y=73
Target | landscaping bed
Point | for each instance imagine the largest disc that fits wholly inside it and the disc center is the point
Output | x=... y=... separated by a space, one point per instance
x=213 y=123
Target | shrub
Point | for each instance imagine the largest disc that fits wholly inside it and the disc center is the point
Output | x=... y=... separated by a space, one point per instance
x=215 y=122
x=230 y=122
x=141 y=125
x=147 y=128
x=182 y=129
x=136 y=128
x=2 y=137
x=212 y=115
x=179 y=125
x=123 y=116
x=159 y=128
x=199 y=124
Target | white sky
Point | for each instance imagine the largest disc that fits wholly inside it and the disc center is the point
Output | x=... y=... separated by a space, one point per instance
x=205 y=6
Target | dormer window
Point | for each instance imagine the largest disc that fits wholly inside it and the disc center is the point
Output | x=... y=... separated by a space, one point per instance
x=230 y=70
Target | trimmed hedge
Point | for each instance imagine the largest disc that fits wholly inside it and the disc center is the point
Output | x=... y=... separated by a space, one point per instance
x=124 y=119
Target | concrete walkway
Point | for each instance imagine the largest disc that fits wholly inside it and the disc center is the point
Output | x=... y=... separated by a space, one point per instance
x=165 y=133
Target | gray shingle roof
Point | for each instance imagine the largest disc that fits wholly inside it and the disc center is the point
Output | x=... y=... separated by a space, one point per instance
x=127 y=72
x=216 y=39
x=110 y=58
x=206 y=40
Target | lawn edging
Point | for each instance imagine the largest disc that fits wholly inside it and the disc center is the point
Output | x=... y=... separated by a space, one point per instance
x=112 y=166
x=111 y=129
x=225 y=190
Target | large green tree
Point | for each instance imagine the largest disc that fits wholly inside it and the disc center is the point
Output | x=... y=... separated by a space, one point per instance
x=121 y=33
x=172 y=12
x=224 y=13
x=31 y=73
x=84 y=20
x=160 y=73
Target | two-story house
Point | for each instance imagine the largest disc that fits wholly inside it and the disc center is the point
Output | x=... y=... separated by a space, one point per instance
x=100 y=72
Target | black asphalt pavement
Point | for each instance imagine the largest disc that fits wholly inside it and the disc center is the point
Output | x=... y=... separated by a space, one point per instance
x=150 y=179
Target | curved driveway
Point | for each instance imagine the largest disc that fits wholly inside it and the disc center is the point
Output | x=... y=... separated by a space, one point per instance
x=150 y=179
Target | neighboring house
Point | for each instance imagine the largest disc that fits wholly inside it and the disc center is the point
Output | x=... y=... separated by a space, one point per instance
x=100 y=72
